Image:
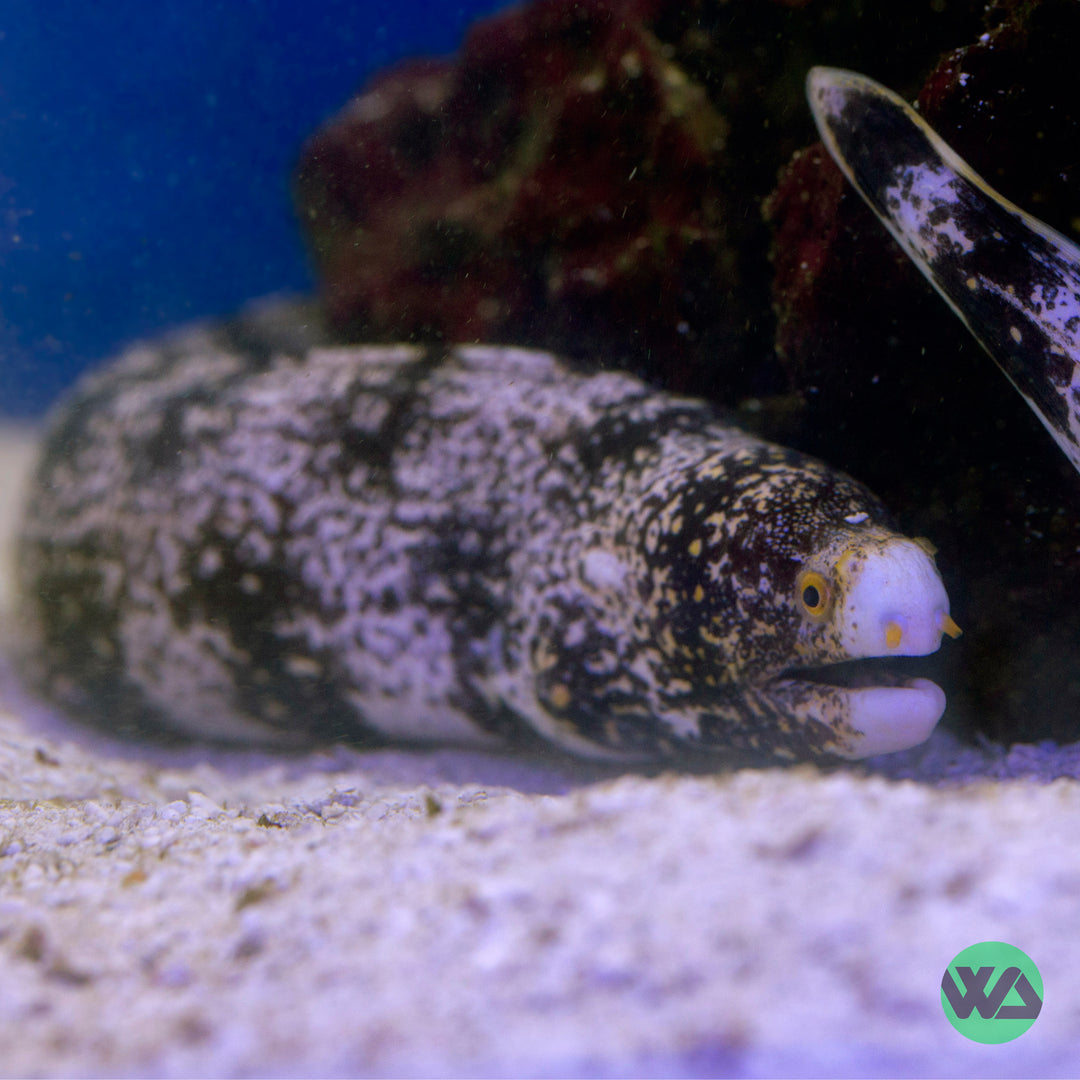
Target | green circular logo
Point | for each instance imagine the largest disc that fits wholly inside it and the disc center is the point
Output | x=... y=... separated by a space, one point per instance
x=991 y=992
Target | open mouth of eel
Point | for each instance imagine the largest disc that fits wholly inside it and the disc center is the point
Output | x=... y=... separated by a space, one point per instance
x=875 y=671
x=873 y=706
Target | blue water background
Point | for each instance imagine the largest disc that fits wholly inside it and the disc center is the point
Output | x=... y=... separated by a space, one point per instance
x=145 y=154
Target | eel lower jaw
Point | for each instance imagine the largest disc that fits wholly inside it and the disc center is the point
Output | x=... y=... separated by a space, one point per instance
x=869 y=708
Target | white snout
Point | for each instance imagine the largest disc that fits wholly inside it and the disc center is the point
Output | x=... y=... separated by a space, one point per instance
x=892 y=601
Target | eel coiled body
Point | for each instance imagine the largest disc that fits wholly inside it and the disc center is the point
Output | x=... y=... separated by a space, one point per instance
x=247 y=542
x=1012 y=279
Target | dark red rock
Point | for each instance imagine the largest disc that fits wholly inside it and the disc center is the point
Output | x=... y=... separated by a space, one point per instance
x=587 y=176
x=537 y=191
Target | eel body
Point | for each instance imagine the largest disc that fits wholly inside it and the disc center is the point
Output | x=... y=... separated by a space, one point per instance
x=1012 y=279
x=244 y=542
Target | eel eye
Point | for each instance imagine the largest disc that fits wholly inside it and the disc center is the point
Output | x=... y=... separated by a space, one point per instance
x=814 y=594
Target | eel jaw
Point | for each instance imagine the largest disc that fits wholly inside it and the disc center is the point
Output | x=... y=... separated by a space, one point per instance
x=863 y=721
x=891 y=718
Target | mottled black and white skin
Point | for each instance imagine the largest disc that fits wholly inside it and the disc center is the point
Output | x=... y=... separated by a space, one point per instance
x=1012 y=279
x=245 y=540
